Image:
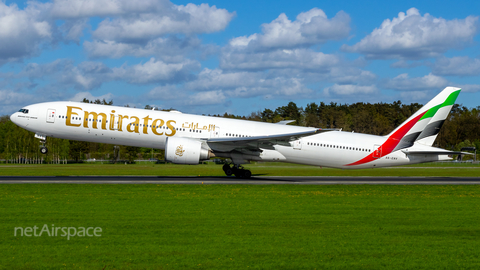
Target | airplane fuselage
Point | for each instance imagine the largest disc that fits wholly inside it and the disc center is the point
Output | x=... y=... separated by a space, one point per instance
x=151 y=128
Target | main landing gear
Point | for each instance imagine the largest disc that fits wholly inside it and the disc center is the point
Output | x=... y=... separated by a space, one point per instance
x=237 y=170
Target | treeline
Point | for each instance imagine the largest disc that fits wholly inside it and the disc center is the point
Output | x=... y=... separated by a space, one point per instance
x=461 y=129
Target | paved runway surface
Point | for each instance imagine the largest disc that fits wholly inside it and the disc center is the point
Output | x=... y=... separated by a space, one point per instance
x=257 y=180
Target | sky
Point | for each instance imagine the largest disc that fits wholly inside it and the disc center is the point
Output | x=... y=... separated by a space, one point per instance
x=237 y=57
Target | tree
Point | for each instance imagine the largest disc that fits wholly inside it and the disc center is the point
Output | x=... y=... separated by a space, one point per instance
x=290 y=112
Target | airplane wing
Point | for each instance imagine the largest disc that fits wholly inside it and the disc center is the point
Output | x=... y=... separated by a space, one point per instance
x=256 y=142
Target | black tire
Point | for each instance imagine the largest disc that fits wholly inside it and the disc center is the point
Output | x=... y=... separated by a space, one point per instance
x=44 y=150
x=247 y=174
x=228 y=171
x=225 y=167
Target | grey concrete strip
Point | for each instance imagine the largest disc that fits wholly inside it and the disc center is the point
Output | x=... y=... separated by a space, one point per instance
x=277 y=180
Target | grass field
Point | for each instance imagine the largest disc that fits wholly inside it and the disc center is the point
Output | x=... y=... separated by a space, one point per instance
x=259 y=169
x=242 y=227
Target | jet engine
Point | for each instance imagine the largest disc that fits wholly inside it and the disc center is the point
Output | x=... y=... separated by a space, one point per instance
x=185 y=150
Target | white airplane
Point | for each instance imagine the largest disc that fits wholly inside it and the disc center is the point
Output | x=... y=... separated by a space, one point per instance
x=189 y=139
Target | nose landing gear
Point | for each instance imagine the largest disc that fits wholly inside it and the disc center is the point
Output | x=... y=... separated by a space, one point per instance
x=43 y=140
x=237 y=170
x=43 y=150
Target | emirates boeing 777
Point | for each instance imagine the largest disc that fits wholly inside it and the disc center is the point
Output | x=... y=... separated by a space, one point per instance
x=189 y=139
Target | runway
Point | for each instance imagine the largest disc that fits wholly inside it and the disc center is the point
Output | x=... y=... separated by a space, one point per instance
x=262 y=180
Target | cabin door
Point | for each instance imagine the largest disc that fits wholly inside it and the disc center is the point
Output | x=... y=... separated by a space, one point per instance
x=297 y=144
x=215 y=132
x=51 y=116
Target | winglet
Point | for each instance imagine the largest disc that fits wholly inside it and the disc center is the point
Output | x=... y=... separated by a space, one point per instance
x=284 y=122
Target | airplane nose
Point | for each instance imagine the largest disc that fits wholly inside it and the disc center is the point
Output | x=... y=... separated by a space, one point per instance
x=13 y=118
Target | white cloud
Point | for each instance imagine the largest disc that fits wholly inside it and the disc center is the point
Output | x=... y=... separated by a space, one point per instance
x=206 y=98
x=282 y=50
x=469 y=88
x=301 y=59
x=8 y=97
x=309 y=28
x=456 y=66
x=141 y=27
x=247 y=84
x=12 y=101
x=205 y=19
x=209 y=79
x=63 y=73
x=22 y=31
x=412 y=36
x=169 y=49
x=78 y=97
x=348 y=74
x=350 y=89
x=416 y=96
x=408 y=64
x=73 y=29
x=156 y=71
x=39 y=71
x=89 y=75
x=78 y=9
x=166 y=92
x=290 y=87
x=404 y=83
x=176 y=96
x=144 y=29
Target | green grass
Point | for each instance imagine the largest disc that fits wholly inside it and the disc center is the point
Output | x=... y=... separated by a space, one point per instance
x=241 y=227
x=259 y=169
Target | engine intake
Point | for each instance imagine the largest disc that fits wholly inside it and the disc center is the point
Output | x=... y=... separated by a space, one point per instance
x=180 y=150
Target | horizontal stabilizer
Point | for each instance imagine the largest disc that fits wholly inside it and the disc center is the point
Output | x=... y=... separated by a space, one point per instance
x=435 y=152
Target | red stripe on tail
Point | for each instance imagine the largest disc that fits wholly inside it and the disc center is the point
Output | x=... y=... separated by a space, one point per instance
x=392 y=141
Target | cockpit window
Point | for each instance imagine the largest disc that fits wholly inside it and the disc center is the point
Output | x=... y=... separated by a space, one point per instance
x=23 y=110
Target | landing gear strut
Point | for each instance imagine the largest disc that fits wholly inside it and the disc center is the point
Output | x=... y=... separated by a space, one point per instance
x=237 y=170
x=43 y=140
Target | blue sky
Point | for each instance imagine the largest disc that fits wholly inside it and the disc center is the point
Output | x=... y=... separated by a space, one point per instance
x=237 y=56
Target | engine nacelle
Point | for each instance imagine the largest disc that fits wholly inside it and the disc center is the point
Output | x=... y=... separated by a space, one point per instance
x=185 y=151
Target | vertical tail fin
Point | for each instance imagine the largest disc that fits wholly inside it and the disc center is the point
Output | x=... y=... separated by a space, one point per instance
x=430 y=132
x=424 y=125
